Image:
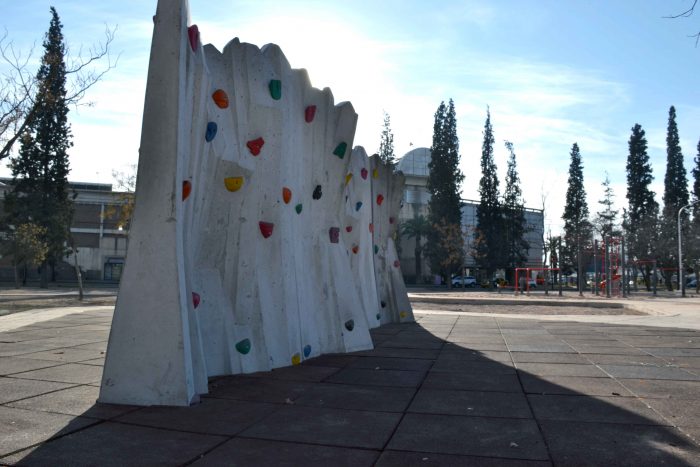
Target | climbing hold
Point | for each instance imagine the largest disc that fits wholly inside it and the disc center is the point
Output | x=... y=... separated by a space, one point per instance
x=363 y=173
x=298 y=208
x=193 y=34
x=309 y=113
x=233 y=183
x=348 y=229
x=220 y=98
x=391 y=220
x=396 y=263
x=286 y=195
x=350 y=325
x=186 y=189
x=307 y=350
x=403 y=314
x=276 y=89
x=266 y=228
x=255 y=145
x=334 y=234
x=243 y=346
x=348 y=177
x=211 y=132
x=355 y=248
x=379 y=316
x=317 y=192
x=375 y=173
x=340 y=149
x=296 y=359
x=383 y=304
x=380 y=199
x=358 y=205
x=371 y=228
x=376 y=249
x=195 y=299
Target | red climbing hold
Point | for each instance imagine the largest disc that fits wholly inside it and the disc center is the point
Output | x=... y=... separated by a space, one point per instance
x=371 y=228
x=391 y=220
x=363 y=173
x=266 y=228
x=186 y=189
x=355 y=249
x=396 y=263
x=380 y=199
x=220 y=98
x=286 y=195
x=334 y=234
x=193 y=34
x=255 y=145
x=195 y=299
x=310 y=113
x=348 y=229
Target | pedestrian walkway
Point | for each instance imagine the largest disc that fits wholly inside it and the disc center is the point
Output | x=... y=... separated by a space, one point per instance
x=447 y=390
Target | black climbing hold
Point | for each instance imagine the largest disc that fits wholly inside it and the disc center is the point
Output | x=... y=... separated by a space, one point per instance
x=350 y=325
x=317 y=192
x=383 y=303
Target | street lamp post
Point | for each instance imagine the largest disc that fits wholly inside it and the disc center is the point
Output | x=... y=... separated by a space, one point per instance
x=681 y=283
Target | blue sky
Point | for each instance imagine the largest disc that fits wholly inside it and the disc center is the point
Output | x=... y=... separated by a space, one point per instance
x=552 y=72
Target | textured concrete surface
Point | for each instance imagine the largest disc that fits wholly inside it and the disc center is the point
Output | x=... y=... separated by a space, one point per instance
x=445 y=405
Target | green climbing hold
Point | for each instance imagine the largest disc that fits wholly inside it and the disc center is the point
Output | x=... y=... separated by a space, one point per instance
x=298 y=208
x=276 y=89
x=243 y=346
x=340 y=149
x=376 y=249
x=350 y=325
x=379 y=316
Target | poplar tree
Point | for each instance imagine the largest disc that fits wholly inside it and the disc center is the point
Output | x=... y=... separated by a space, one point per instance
x=386 y=145
x=445 y=249
x=576 y=223
x=40 y=191
x=514 y=224
x=641 y=223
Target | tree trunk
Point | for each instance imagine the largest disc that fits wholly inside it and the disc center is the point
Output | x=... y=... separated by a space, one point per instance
x=77 y=272
x=16 y=269
x=44 y=275
x=419 y=272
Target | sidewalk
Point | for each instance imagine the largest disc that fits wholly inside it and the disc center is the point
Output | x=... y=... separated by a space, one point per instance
x=447 y=390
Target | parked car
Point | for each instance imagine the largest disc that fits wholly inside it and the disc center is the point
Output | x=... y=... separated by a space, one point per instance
x=692 y=283
x=468 y=281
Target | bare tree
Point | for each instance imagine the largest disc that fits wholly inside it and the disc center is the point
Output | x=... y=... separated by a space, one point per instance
x=687 y=14
x=19 y=84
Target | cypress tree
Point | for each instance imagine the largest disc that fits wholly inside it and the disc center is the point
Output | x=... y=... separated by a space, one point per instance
x=514 y=216
x=576 y=224
x=445 y=248
x=606 y=219
x=386 y=145
x=487 y=236
x=39 y=173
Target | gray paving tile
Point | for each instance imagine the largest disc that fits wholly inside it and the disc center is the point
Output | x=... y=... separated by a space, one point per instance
x=20 y=428
x=594 y=444
x=297 y=373
x=115 y=444
x=561 y=369
x=372 y=377
x=12 y=389
x=471 y=403
x=211 y=416
x=348 y=396
x=476 y=436
x=692 y=363
x=671 y=352
x=473 y=382
x=422 y=459
x=572 y=385
x=398 y=352
x=68 y=373
x=599 y=349
x=679 y=412
x=78 y=400
x=546 y=348
x=539 y=357
x=331 y=360
x=668 y=389
x=469 y=354
x=242 y=451
x=411 y=344
x=384 y=363
x=257 y=389
x=11 y=365
x=627 y=359
x=472 y=366
x=347 y=428
x=65 y=355
x=649 y=372
x=594 y=409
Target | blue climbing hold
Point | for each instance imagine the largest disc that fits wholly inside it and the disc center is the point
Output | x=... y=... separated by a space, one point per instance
x=307 y=350
x=211 y=131
x=358 y=205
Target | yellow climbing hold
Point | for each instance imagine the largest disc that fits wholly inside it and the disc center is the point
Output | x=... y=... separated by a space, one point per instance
x=296 y=359
x=375 y=173
x=403 y=314
x=233 y=183
x=348 y=177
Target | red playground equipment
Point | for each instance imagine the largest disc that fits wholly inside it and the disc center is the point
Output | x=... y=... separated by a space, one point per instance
x=527 y=271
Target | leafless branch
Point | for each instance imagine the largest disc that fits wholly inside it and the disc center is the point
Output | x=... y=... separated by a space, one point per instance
x=687 y=14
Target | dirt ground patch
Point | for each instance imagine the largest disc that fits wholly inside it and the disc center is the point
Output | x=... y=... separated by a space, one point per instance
x=525 y=309
x=9 y=306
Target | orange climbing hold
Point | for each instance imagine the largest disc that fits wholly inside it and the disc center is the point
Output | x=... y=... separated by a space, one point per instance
x=220 y=98
x=286 y=195
x=355 y=248
x=266 y=228
x=255 y=146
x=186 y=189
x=310 y=113
x=233 y=183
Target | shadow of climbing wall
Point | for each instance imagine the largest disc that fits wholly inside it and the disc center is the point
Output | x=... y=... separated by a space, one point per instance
x=259 y=237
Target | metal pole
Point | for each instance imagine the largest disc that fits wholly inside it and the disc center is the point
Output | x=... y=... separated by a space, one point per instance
x=655 y=279
x=580 y=269
x=608 y=282
x=559 y=274
x=624 y=268
x=681 y=284
x=595 y=267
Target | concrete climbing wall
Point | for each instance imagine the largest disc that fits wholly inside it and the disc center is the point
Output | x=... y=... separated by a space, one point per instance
x=259 y=237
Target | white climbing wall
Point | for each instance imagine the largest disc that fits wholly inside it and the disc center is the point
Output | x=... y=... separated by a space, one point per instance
x=259 y=237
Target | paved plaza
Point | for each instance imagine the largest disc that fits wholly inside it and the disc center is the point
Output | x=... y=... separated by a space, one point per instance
x=451 y=389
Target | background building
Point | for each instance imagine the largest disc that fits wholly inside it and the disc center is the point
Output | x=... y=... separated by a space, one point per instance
x=414 y=166
x=96 y=230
